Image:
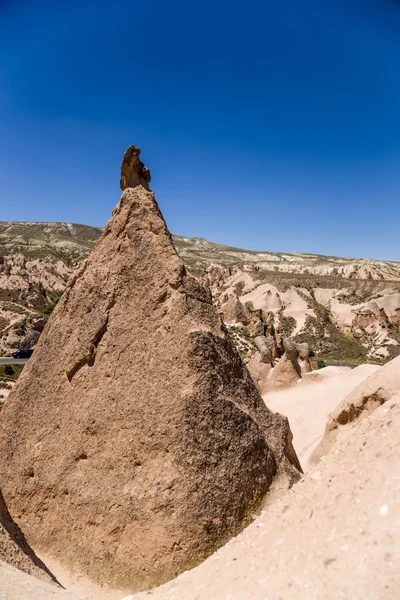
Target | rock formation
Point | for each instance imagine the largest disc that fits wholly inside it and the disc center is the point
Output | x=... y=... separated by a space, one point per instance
x=334 y=535
x=279 y=362
x=133 y=171
x=259 y=370
x=233 y=311
x=304 y=357
x=256 y=322
x=36 y=260
x=290 y=368
x=135 y=442
x=283 y=375
x=266 y=350
x=215 y=276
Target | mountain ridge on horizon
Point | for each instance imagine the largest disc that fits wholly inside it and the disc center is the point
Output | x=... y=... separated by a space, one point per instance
x=300 y=253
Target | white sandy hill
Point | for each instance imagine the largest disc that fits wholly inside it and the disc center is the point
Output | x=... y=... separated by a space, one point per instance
x=308 y=404
x=379 y=388
x=335 y=534
x=268 y=298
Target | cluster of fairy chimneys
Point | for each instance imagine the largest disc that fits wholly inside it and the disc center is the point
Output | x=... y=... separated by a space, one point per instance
x=270 y=343
x=372 y=314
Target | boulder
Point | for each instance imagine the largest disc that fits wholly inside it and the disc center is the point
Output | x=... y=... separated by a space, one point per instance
x=283 y=375
x=267 y=351
x=333 y=536
x=294 y=363
x=304 y=357
x=133 y=171
x=135 y=442
x=287 y=371
x=259 y=370
x=255 y=322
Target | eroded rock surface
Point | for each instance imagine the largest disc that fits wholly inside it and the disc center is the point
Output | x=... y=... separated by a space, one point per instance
x=135 y=442
x=271 y=373
x=234 y=312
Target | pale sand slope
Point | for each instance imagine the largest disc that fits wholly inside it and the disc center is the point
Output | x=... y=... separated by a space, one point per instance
x=17 y=585
x=332 y=536
x=269 y=298
x=82 y=586
x=308 y=404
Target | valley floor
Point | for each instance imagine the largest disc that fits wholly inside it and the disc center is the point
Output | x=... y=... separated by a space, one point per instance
x=309 y=403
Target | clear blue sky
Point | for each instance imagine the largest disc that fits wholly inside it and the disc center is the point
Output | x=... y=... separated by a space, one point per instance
x=266 y=124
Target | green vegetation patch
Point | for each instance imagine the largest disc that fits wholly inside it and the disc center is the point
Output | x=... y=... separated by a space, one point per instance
x=10 y=372
x=46 y=303
x=330 y=344
x=9 y=295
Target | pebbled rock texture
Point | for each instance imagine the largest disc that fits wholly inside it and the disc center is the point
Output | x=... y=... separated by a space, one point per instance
x=135 y=442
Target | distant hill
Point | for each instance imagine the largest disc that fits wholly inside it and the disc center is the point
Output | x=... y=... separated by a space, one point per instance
x=349 y=309
x=199 y=253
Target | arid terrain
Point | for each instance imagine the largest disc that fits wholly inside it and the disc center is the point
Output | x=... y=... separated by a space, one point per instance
x=348 y=310
x=169 y=435
x=334 y=534
x=36 y=260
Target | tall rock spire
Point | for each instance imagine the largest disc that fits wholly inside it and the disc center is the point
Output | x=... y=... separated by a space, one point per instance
x=135 y=442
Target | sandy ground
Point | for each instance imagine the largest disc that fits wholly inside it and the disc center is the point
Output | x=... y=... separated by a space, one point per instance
x=80 y=585
x=16 y=585
x=308 y=404
x=4 y=392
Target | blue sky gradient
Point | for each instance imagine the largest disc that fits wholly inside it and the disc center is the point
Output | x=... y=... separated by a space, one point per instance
x=266 y=125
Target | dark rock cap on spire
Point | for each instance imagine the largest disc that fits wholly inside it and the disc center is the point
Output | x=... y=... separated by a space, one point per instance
x=133 y=171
